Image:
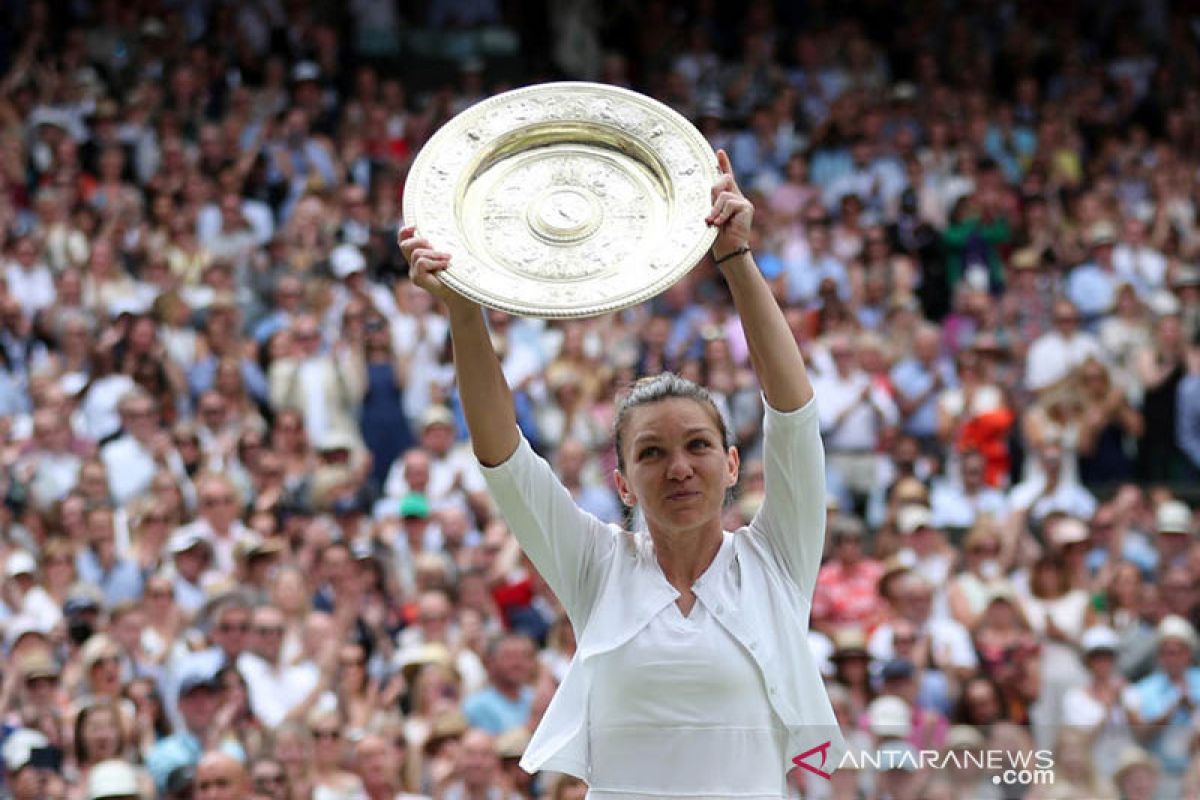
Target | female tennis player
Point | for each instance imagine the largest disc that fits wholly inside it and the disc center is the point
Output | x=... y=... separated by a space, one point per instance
x=692 y=677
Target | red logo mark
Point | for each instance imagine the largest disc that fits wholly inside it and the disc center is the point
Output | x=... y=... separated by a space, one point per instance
x=824 y=750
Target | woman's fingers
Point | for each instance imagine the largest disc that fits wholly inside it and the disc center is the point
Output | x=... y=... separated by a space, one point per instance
x=725 y=206
x=724 y=184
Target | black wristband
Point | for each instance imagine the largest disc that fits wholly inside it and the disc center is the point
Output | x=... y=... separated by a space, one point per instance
x=737 y=251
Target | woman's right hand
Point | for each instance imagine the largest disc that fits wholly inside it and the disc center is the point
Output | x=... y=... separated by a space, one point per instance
x=424 y=262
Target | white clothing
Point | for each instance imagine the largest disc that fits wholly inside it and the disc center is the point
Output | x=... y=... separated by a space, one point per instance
x=1052 y=357
x=54 y=476
x=1141 y=264
x=33 y=288
x=130 y=466
x=759 y=588
x=949 y=638
x=99 y=407
x=722 y=714
x=1069 y=497
x=312 y=382
x=860 y=429
x=274 y=691
x=443 y=472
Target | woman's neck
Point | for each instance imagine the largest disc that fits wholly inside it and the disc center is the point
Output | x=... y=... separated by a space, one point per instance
x=685 y=555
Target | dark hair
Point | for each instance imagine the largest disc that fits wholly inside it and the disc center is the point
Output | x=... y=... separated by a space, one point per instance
x=655 y=389
x=82 y=756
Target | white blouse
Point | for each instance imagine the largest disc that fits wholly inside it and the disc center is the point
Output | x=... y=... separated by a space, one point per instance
x=682 y=704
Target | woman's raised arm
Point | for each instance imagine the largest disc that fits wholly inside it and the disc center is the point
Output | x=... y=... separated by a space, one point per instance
x=774 y=353
x=486 y=398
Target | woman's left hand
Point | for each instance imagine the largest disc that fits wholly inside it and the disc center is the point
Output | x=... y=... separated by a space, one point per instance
x=731 y=212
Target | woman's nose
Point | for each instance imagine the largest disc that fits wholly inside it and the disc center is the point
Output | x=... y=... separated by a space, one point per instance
x=680 y=466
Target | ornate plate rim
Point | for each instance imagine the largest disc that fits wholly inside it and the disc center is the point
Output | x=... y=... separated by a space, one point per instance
x=414 y=211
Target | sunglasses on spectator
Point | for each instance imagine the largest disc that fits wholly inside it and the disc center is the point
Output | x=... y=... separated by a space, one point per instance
x=327 y=734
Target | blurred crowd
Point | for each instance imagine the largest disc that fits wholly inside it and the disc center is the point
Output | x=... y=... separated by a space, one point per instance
x=247 y=552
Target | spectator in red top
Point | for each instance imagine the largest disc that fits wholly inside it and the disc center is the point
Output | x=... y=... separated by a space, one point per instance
x=847 y=592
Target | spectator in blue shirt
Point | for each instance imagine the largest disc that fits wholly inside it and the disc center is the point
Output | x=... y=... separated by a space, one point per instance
x=505 y=703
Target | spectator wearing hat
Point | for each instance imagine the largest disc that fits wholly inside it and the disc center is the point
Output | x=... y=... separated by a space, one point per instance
x=26 y=766
x=924 y=543
x=228 y=628
x=889 y=721
x=851 y=668
x=1091 y=286
x=24 y=597
x=1096 y=708
x=899 y=678
x=454 y=474
x=1161 y=705
x=191 y=569
x=198 y=702
x=847 y=585
x=1174 y=533
x=1002 y=636
x=1138 y=775
x=114 y=779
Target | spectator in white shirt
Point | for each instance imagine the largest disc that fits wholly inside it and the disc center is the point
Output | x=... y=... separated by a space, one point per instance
x=957 y=501
x=29 y=280
x=1051 y=489
x=453 y=474
x=276 y=688
x=52 y=466
x=1054 y=355
x=1133 y=257
x=141 y=451
x=855 y=413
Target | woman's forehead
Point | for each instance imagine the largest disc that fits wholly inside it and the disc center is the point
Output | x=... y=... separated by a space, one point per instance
x=671 y=415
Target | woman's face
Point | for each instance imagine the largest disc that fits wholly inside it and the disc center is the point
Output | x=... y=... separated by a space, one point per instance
x=352 y=662
x=101 y=735
x=982 y=704
x=677 y=469
x=1045 y=578
x=293 y=751
x=327 y=742
x=289 y=592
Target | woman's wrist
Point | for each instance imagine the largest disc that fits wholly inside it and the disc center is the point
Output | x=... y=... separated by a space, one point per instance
x=737 y=252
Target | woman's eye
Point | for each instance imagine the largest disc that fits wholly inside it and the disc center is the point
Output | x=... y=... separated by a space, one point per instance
x=648 y=452
x=698 y=444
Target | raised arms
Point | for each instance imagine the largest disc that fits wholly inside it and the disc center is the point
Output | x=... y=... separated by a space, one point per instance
x=486 y=398
x=774 y=353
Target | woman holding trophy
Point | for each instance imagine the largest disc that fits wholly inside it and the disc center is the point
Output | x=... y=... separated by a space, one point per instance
x=692 y=676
